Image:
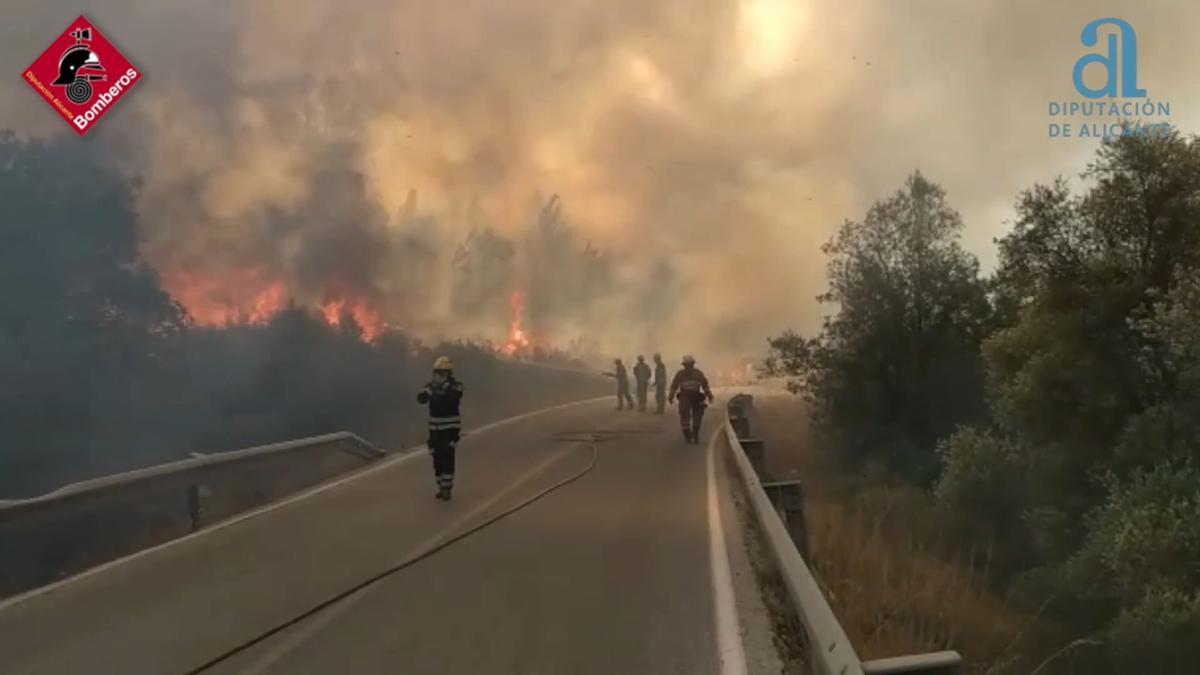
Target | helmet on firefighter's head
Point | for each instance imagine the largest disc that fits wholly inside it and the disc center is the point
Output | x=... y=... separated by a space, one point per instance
x=77 y=58
x=657 y=356
x=443 y=363
x=688 y=360
x=617 y=361
x=641 y=358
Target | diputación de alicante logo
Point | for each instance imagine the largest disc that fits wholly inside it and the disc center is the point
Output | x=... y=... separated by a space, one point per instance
x=82 y=75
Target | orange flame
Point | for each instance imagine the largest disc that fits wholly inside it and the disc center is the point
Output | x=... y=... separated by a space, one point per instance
x=251 y=296
x=333 y=312
x=223 y=301
x=518 y=339
x=365 y=316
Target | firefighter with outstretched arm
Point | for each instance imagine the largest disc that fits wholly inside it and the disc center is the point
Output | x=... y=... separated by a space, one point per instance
x=694 y=394
x=622 y=378
x=443 y=394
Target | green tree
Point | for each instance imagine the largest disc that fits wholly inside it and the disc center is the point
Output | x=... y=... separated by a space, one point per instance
x=897 y=366
x=1078 y=377
x=80 y=314
x=1095 y=395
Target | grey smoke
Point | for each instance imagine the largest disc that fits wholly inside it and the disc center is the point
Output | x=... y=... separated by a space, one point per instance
x=701 y=150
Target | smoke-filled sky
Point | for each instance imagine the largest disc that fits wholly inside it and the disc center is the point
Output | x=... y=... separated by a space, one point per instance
x=400 y=159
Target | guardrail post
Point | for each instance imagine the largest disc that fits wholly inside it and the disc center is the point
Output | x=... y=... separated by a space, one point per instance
x=198 y=495
x=739 y=414
x=788 y=498
x=756 y=452
x=741 y=426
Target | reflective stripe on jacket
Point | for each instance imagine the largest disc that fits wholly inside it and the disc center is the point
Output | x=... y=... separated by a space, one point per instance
x=690 y=383
x=443 y=405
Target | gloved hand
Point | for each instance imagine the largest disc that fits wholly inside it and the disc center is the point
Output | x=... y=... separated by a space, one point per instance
x=670 y=399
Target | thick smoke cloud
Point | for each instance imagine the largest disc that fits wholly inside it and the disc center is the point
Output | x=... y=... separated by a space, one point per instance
x=652 y=175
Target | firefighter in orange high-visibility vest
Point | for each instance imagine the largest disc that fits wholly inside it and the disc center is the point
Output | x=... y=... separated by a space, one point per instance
x=691 y=387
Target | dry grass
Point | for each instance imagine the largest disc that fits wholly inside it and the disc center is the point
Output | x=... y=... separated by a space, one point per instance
x=899 y=589
x=894 y=572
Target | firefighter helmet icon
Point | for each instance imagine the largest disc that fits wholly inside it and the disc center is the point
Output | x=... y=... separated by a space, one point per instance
x=79 y=67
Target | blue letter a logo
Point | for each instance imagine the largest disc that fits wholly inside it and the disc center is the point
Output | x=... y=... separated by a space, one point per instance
x=1127 y=60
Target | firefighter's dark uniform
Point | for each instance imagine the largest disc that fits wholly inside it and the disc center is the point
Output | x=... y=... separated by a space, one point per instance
x=445 y=428
x=623 y=396
x=641 y=375
x=691 y=387
x=660 y=385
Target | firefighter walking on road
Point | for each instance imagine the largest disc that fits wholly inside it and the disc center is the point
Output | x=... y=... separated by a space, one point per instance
x=622 y=378
x=691 y=387
x=660 y=384
x=443 y=394
x=641 y=375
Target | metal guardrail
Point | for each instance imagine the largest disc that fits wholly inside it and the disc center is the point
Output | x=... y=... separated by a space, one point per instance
x=84 y=524
x=830 y=651
x=198 y=465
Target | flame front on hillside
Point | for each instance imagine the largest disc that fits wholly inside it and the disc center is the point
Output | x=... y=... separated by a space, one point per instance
x=252 y=297
x=243 y=297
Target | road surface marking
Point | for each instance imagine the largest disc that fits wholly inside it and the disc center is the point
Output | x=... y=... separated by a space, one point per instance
x=380 y=465
x=317 y=623
x=730 y=652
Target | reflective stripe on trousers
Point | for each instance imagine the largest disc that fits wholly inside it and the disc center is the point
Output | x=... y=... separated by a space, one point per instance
x=445 y=423
x=443 y=461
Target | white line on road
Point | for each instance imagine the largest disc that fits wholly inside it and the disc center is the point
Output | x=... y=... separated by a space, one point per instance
x=729 y=635
x=305 y=631
x=378 y=466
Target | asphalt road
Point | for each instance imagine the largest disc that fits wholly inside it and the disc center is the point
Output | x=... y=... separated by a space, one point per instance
x=623 y=571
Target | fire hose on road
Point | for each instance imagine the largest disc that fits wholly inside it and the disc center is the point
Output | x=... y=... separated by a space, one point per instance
x=591 y=439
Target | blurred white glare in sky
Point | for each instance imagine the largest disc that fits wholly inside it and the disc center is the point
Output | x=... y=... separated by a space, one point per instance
x=768 y=31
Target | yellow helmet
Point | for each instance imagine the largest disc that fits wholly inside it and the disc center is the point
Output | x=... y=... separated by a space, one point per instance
x=443 y=363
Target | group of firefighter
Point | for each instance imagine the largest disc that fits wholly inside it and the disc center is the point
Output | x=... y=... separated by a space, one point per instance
x=689 y=387
x=443 y=394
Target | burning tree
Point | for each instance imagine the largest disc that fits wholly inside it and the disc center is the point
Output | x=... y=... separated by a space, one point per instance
x=518 y=338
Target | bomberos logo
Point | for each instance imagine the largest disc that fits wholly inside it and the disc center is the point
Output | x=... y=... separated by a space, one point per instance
x=82 y=75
